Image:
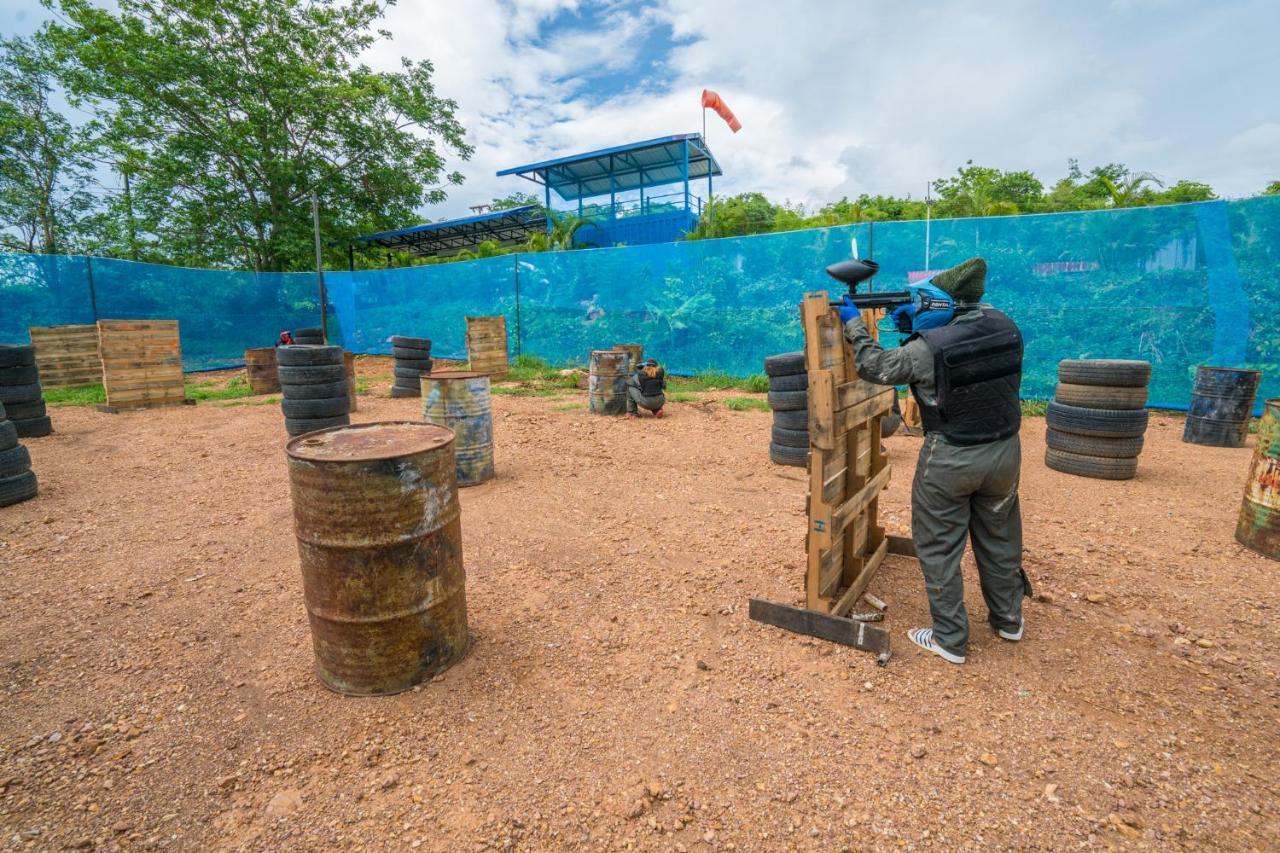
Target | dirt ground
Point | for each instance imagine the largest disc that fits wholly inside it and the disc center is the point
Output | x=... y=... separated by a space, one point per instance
x=157 y=688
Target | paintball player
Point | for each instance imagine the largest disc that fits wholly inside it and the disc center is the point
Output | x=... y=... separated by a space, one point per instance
x=644 y=389
x=285 y=338
x=963 y=361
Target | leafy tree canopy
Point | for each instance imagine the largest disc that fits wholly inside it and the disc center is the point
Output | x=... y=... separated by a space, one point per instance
x=231 y=112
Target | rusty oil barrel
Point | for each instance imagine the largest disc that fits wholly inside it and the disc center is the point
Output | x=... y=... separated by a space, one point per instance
x=1259 y=525
x=459 y=400
x=635 y=352
x=349 y=364
x=487 y=345
x=377 y=518
x=1221 y=404
x=607 y=382
x=260 y=370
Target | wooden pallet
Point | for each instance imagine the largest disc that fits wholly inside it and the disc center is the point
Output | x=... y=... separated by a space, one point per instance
x=141 y=364
x=67 y=355
x=847 y=471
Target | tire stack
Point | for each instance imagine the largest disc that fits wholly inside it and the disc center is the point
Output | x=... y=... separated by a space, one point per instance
x=413 y=358
x=789 y=400
x=17 y=480
x=313 y=381
x=20 y=392
x=1098 y=418
x=309 y=337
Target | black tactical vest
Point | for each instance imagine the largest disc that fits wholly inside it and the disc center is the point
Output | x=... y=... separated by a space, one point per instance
x=977 y=367
x=650 y=386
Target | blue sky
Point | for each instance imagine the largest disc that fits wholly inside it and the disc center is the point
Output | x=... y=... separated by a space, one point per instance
x=839 y=97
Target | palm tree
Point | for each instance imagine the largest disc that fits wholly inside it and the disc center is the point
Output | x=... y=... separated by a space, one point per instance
x=1130 y=190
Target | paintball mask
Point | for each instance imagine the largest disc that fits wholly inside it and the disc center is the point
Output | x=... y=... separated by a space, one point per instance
x=930 y=308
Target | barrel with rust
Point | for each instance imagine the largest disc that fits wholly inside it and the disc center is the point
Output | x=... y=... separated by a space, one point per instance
x=1259 y=525
x=1221 y=404
x=260 y=370
x=487 y=345
x=459 y=400
x=377 y=518
x=607 y=382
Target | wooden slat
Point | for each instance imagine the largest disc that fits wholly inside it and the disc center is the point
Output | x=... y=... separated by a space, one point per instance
x=859 y=413
x=66 y=355
x=853 y=540
x=859 y=586
x=141 y=362
x=848 y=510
x=821 y=409
x=837 y=629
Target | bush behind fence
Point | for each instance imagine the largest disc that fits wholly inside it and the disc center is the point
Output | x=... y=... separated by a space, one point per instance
x=1180 y=285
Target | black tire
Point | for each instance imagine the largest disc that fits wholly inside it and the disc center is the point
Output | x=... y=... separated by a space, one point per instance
x=13 y=355
x=317 y=341
x=788 y=401
x=17 y=489
x=400 y=392
x=408 y=372
x=14 y=461
x=1106 y=423
x=28 y=393
x=1089 y=445
x=796 y=419
x=422 y=365
x=1115 y=397
x=790 y=437
x=329 y=407
x=300 y=355
x=790 y=382
x=311 y=375
x=8 y=435
x=889 y=424
x=410 y=353
x=1097 y=467
x=406 y=342
x=3 y=416
x=319 y=391
x=309 y=332
x=24 y=411
x=22 y=374
x=784 y=364
x=33 y=427
x=1105 y=371
x=796 y=456
x=298 y=426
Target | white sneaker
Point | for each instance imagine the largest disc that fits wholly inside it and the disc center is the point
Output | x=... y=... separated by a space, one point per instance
x=923 y=637
x=1011 y=636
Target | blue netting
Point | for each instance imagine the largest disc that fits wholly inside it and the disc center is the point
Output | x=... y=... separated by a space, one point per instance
x=1180 y=286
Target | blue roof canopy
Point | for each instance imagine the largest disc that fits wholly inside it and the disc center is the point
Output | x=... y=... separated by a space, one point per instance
x=640 y=165
x=506 y=227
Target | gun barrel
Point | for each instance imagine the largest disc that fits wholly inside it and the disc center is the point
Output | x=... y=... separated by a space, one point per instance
x=884 y=299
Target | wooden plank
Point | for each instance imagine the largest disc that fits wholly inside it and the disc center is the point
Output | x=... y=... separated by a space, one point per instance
x=854 y=392
x=903 y=546
x=821 y=409
x=859 y=586
x=859 y=413
x=847 y=511
x=852 y=541
x=837 y=629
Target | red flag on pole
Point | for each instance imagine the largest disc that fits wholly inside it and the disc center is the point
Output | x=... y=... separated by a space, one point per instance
x=715 y=102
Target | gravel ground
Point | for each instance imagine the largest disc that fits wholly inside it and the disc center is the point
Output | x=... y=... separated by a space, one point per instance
x=157 y=687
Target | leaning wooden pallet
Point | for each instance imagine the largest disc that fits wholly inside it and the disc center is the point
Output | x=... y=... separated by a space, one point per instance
x=847 y=471
x=141 y=364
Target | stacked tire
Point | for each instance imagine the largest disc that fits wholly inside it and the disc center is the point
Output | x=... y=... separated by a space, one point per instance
x=789 y=402
x=20 y=392
x=309 y=337
x=1098 y=418
x=313 y=382
x=17 y=480
x=413 y=359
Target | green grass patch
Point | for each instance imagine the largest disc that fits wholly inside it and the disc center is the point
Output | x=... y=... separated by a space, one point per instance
x=256 y=401
x=362 y=385
x=682 y=397
x=531 y=368
x=209 y=390
x=746 y=404
x=524 y=391
x=715 y=380
x=77 y=395
x=1034 y=408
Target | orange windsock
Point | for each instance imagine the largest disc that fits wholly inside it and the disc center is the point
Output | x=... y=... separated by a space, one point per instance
x=714 y=101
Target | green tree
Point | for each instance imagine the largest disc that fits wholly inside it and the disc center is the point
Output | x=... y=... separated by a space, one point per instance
x=983 y=191
x=45 y=167
x=1185 y=191
x=1273 y=188
x=516 y=199
x=233 y=111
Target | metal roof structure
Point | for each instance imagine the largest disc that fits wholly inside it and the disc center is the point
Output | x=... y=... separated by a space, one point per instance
x=506 y=227
x=639 y=165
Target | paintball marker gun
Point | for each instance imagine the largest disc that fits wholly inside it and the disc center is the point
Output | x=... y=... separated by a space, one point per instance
x=922 y=295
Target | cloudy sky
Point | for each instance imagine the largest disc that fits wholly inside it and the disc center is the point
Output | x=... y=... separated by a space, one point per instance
x=839 y=97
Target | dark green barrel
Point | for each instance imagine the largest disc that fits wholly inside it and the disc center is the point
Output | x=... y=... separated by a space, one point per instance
x=607 y=382
x=1221 y=403
x=460 y=401
x=1259 y=525
x=376 y=513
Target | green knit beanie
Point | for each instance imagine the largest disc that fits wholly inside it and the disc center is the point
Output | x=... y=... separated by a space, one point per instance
x=965 y=282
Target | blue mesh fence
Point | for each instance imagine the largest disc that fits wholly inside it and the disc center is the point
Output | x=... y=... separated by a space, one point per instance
x=1180 y=286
